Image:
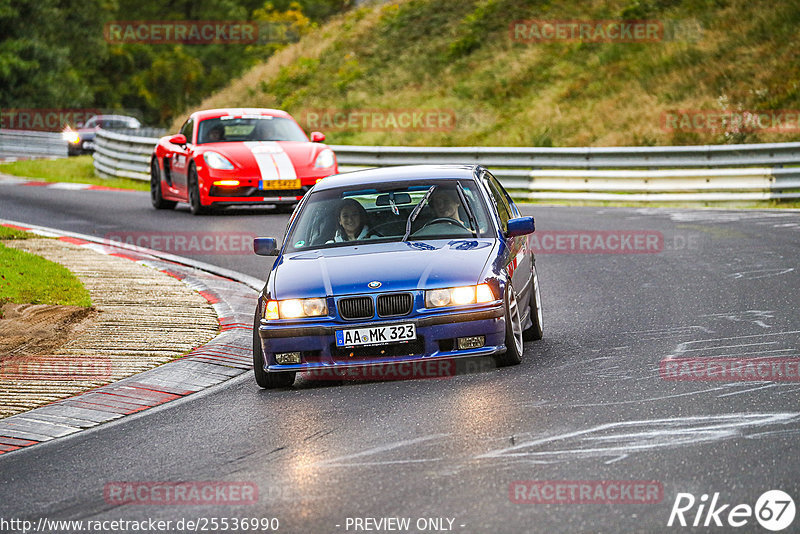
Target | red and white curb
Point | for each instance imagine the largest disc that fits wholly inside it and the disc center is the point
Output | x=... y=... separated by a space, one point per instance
x=68 y=186
x=228 y=355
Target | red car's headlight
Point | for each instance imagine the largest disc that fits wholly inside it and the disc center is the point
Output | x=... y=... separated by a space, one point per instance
x=217 y=161
x=325 y=159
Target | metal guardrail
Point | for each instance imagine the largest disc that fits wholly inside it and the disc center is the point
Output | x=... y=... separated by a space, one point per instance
x=655 y=157
x=145 y=131
x=684 y=173
x=638 y=174
x=117 y=155
x=31 y=144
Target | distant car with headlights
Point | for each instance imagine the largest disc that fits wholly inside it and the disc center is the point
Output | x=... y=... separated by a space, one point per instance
x=225 y=157
x=80 y=140
x=438 y=266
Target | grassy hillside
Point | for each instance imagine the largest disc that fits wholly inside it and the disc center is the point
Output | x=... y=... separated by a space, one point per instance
x=459 y=55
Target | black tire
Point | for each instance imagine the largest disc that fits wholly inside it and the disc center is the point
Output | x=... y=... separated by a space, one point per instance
x=535 y=331
x=514 y=342
x=264 y=379
x=155 y=189
x=194 y=193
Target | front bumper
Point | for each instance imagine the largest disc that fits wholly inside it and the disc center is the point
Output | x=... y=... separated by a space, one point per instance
x=250 y=190
x=436 y=339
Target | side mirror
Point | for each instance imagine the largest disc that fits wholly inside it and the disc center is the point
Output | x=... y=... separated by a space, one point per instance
x=317 y=137
x=265 y=246
x=520 y=226
x=178 y=139
x=79 y=124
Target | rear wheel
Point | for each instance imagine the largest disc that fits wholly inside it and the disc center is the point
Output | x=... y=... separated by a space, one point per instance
x=535 y=331
x=194 y=193
x=264 y=379
x=513 y=353
x=155 y=189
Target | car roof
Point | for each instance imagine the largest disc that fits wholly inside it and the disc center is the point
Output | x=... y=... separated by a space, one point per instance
x=402 y=173
x=222 y=112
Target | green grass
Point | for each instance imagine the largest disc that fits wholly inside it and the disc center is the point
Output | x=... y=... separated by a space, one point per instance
x=79 y=169
x=28 y=278
x=459 y=55
x=13 y=233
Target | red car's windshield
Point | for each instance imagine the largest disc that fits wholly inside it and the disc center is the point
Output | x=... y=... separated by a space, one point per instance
x=262 y=128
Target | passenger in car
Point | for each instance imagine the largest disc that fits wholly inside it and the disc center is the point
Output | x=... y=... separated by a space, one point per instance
x=352 y=222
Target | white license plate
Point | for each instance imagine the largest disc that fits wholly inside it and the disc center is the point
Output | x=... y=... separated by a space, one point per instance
x=377 y=335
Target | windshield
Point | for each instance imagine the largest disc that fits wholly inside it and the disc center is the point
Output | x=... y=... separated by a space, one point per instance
x=260 y=128
x=389 y=212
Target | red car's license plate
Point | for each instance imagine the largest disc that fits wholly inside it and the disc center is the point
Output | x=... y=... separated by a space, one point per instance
x=280 y=184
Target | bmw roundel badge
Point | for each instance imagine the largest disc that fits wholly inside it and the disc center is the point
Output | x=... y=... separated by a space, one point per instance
x=374 y=284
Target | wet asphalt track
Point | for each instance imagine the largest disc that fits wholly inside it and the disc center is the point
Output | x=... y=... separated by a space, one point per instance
x=587 y=403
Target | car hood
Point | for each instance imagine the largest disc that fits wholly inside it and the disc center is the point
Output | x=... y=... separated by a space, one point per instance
x=403 y=266
x=274 y=159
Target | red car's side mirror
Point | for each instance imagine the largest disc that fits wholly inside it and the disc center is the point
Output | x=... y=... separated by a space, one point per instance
x=317 y=137
x=178 y=139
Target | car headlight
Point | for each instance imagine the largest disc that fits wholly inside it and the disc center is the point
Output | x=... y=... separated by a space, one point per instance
x=295 y=308
x=325 y=159
x=458 y=296
x=71 y=136
x=216 y=161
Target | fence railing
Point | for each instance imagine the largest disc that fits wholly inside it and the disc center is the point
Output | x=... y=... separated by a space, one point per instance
x=30 y=144
x=117 y=155
x=683 y=173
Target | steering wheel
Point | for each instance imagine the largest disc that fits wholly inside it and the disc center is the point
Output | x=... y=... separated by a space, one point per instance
x=381 y=228
x=446 y=220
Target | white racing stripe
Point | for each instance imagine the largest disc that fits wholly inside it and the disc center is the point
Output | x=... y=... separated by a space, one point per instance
x=273 y=162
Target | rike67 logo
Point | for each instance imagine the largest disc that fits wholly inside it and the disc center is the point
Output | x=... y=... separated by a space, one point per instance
x=774 y=510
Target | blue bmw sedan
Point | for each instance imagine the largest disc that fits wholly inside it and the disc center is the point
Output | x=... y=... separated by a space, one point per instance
x=399 y=265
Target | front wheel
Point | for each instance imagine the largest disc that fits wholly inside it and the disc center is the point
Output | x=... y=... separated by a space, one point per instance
x=194 y=193
x=155 y=189
x=535 y=331
x=264 y=379
x=513 y=353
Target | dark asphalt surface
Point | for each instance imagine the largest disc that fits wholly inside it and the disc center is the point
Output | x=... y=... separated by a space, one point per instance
x=587 y=403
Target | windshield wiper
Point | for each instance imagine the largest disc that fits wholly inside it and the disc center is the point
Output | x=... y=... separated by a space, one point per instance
x=418 y=208
x=463 y=196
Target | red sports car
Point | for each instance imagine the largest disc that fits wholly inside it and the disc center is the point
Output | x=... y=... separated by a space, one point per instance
x=223 y=157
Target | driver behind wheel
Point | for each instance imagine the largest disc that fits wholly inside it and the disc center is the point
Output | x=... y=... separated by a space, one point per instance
x=445 y=204
x=216 y=134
